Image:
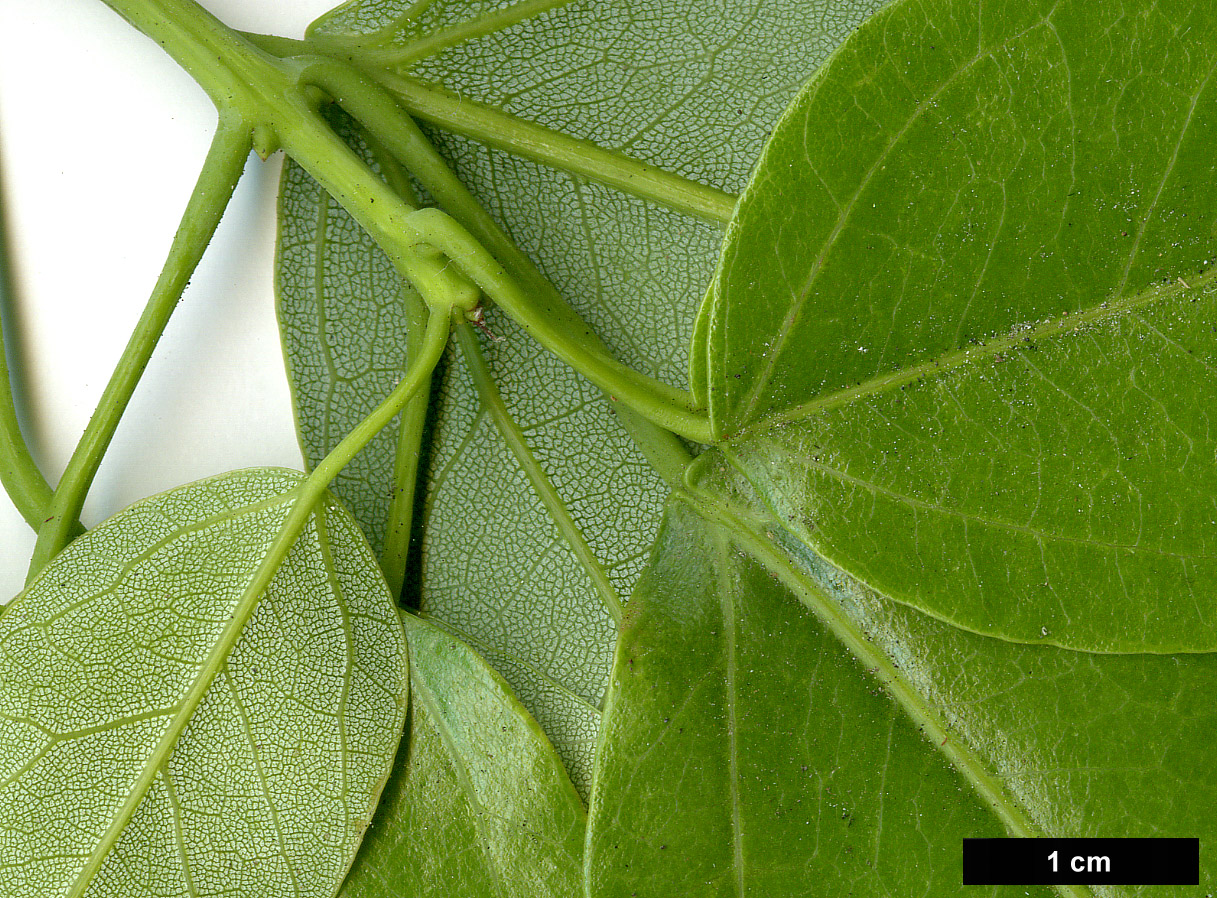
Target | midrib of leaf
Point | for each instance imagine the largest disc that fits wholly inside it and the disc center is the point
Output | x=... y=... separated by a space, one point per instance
x=792 y=317
x=574 y=155
x=189 y=704
x=422 y=692
x=762 y=547
x=1052 y=327
x=513 y=436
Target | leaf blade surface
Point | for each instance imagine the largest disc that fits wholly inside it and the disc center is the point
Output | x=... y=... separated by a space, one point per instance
x=962 y=318
x=481 y=804
x=740 y=734
x=273 y=774
x=677 y=91
x=746 y=753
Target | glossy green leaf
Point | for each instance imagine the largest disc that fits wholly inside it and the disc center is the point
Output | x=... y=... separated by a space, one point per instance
x=152 y=742
x=775 y=728
x=479 y=805
x=746 y=752
x=688 y=93
x=964 y=319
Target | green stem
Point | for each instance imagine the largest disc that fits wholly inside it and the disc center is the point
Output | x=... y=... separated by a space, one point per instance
x=435 y=338
x=400 y=522
x=528 y=140
x=578 y=157
x=22 y=480
x=664 y=405
x=525 y=294
x=513 y=436
x=223 y=167
x=246 y=78
x=273 y=99
x=278 y=102
x=394 y=556
x=313 y=488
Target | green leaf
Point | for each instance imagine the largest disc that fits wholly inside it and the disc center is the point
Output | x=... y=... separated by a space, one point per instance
x=963 y=319
x=497 y=570
x=745 y=752
x=481 y=805
x=343 y=319
x=155 y=742
x=688 y=93
x=775 y=728
x=495 y=566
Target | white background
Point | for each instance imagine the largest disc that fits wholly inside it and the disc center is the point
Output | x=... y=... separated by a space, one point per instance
x=101 y=139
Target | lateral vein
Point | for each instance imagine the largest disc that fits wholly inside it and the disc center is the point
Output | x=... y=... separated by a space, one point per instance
x=510 y=431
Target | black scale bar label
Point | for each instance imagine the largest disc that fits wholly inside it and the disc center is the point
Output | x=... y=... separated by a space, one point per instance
x=1167 y=862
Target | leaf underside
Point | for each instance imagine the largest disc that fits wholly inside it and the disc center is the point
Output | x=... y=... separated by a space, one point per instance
x=686 y=92
x=270 y=777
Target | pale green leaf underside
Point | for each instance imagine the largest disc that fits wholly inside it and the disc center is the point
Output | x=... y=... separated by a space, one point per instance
x=270 y=784
x=964 y=319
x=342 y=319
x=495 y=567
x=479 y=804
x=687 y=92
x=747 y=752
x=497 y=570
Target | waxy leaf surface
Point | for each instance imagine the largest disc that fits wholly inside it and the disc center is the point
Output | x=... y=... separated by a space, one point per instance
x=155 y=741
x=747 y=754
x=964 y=319
x=773 y=727
x=479 y=804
